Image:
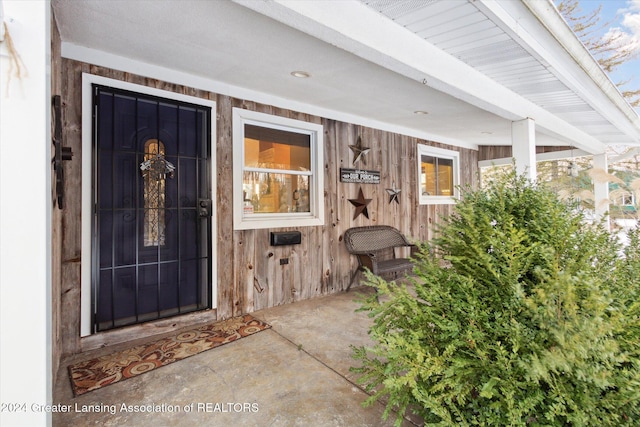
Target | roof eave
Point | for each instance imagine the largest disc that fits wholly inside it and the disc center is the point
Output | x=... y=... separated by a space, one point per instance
x=607 y=99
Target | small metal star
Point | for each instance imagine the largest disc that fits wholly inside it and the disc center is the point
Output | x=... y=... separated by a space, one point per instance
x=361 y=205
x=359 y=151
x=394 y=194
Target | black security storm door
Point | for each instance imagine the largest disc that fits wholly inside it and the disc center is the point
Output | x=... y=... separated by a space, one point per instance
x=152 y=216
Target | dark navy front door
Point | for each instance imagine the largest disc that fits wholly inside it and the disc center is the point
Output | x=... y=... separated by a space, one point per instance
x=152 y=208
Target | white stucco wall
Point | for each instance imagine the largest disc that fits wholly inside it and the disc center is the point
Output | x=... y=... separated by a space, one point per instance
x=25 y=226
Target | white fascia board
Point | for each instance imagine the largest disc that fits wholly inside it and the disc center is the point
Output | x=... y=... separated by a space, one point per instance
x=116 y=62
x=360 y=30
x=540 y=29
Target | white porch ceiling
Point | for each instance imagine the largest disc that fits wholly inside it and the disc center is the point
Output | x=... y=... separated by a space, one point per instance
x=463 y=29
x=369 y=61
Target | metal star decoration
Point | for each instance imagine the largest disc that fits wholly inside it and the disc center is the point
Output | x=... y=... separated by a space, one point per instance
x=359 y=151
x=361 y=205
x=394 y=194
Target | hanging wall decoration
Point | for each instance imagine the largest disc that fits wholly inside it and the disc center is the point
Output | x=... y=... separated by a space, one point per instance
x=359 y=176
x=60 y=153
x=394 y=194
x=359 y=151
x=361 y=205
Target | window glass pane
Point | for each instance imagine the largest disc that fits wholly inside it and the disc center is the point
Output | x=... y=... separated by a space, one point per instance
x=265 y=192
x=276 y=149
x=275 y=183
x=428 y=175
x=438 y=169
x=154 y=172
x=445 y=177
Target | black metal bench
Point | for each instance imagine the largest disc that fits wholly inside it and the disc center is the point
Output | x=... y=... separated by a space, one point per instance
x=374 y=246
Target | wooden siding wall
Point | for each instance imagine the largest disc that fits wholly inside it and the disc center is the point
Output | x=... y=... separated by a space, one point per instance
x=249 y=274
x=56 y=222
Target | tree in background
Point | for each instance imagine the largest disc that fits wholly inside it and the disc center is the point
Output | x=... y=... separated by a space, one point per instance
x=572 y=180
x=610 y=50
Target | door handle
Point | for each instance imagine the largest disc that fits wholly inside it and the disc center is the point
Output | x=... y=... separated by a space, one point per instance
x=204 y=208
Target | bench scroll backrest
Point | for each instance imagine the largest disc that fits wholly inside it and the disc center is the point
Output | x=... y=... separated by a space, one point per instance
x=373 y=238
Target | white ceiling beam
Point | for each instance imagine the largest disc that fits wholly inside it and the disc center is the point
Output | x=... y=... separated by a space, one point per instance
x=360 y=30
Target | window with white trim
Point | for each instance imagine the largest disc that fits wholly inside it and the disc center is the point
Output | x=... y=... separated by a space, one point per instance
x=624 y=199
x=439 y=172
x=278 y=173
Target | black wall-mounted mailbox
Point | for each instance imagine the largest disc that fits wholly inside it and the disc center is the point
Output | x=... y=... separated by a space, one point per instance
x=283 y=238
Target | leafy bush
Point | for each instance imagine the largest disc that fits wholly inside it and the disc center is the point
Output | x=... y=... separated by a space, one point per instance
x=534 y=319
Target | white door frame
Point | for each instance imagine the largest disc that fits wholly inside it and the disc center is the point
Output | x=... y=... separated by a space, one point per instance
x=87 y=184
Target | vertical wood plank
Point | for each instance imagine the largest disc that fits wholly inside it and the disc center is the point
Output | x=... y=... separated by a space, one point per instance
x=226 y=238
x=56 y=220
x=70 y=224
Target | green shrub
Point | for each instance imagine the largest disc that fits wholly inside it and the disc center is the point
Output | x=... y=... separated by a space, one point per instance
x=532 y=321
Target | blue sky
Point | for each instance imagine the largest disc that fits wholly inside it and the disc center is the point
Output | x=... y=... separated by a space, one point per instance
x=624 y=18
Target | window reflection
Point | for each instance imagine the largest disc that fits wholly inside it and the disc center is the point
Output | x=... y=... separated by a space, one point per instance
x=154 y=193
x=277 y=171
x=436 y=178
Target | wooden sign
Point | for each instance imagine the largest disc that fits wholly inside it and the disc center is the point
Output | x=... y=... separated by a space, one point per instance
x=359 y=176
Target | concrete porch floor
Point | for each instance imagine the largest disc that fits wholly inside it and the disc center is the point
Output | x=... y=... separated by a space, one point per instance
x=294 y=374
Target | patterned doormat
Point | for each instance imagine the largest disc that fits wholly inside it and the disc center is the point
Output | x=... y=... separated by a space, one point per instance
x=102 y=371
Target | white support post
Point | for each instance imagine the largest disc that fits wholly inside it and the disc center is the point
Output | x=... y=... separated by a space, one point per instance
x=25 y=219
x=601 y=189
x=523 y=143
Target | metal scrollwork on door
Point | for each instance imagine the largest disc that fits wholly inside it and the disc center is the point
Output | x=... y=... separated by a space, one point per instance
x=155 y=169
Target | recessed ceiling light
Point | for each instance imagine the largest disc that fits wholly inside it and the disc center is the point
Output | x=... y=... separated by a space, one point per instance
x=420 y=112
x=300 y=74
